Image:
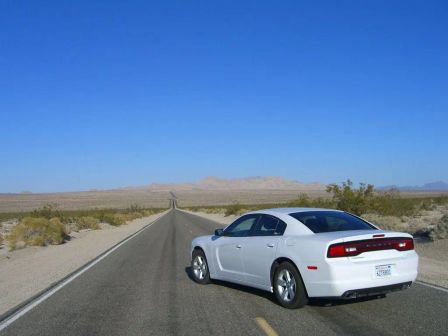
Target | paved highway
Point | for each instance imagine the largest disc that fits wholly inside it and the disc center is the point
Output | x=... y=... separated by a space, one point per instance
x=144 y=288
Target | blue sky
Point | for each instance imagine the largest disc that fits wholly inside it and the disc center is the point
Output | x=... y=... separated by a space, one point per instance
x=102 y=94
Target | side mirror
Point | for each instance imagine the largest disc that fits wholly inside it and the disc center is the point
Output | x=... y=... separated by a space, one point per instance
x=219 y=232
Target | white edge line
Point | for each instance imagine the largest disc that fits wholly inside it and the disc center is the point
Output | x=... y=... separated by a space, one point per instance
x=9 y=320
x=432 y=286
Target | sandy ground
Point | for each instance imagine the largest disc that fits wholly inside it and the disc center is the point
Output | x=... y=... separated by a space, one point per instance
x=224 y=220
x=85 y=200
x=26 y=272
x=433 y=263
x=145 y=198
x=433 y=266
x=123 y=198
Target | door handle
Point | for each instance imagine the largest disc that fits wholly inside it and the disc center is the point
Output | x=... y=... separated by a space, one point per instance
x=270 y=245
x=238 y=246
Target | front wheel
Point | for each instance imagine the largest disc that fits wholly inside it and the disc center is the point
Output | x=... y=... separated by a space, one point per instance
x=199 y=267
x=288 y=286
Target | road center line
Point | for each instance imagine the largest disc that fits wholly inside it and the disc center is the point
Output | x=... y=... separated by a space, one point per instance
x=25 y=309
x=264 y=325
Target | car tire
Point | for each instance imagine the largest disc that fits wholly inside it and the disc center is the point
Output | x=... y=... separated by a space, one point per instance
x=199 y=267
x=288 y=286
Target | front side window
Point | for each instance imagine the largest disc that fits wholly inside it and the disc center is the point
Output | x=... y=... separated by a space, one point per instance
x=331 y=221
x=269 y=226
x=241 y=227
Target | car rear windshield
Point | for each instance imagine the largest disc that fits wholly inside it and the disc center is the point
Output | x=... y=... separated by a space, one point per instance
x=330 y=221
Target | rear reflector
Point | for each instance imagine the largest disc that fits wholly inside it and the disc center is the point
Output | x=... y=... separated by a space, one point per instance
x=312 y=267
x=350 y=249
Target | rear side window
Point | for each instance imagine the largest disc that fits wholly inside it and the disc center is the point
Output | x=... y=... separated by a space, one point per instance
x=269 y=226
x=241 y=227
x=330 y=221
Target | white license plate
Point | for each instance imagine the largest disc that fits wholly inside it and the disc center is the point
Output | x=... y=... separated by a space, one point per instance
x=382 y=271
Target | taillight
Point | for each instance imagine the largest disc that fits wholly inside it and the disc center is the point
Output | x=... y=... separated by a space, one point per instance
x=350 y=249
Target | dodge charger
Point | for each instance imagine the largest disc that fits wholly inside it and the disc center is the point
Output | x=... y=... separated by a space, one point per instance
x=302 y=253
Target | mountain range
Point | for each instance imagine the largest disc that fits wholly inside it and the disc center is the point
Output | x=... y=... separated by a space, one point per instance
x=247 y=183
x=432 y=186
x=261 y=183
x=272 y=183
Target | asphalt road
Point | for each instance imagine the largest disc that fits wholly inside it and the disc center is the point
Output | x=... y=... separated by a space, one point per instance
x=144 y=288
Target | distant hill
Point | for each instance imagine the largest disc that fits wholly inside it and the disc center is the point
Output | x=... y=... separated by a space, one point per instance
x=432 y=186
x=247 y=183
x=436 y=186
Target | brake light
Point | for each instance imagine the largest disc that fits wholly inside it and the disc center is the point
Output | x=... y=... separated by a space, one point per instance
x=350 y=249
x=335 y=251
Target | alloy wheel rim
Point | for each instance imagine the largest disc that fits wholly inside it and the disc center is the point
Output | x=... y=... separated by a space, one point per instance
x=199 y=267
x=286 y=285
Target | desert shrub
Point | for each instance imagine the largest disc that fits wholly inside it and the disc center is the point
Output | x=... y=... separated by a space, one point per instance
x=440 y=200
x=134 y=208
x=112 y=219
x=233 y=209
x=87 y=223
x=48 y=211
x=391 y=204
x=363 y=201
x=218 y=209
x=440 y=230
x=303 y=201
x=48 y=225
x=1 y=239
x=366 y=199
x=213 y=210
x=120 y=218
x=34 y=231
x=112 y=216
x=388 y=222
x=134 y=215
x=350 y=199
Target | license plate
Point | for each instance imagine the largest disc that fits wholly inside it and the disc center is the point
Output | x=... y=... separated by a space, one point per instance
x=382 y=271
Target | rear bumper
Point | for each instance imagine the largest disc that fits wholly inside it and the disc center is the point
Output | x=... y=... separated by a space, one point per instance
x=346 y=278
x=373 y=291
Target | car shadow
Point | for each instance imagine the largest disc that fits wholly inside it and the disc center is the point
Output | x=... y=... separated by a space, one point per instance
x=315 y=302
x=237 y=287
x=331 y=302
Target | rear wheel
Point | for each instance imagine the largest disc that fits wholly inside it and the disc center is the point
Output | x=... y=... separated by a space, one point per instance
x=199 y=267
x=288 y=286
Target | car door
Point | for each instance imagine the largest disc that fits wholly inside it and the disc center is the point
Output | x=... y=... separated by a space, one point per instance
x=229 y=247
x=260 y=249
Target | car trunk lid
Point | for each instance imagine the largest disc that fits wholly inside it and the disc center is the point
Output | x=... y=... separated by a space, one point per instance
x=368 y=245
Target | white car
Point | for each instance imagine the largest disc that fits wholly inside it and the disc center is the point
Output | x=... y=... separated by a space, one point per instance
x=299 y=253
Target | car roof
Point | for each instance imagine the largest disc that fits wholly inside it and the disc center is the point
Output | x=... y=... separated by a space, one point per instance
x=287 y=211
x=297 y=228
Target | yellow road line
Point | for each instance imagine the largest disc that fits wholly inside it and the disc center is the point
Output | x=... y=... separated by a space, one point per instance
x=264 y=325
